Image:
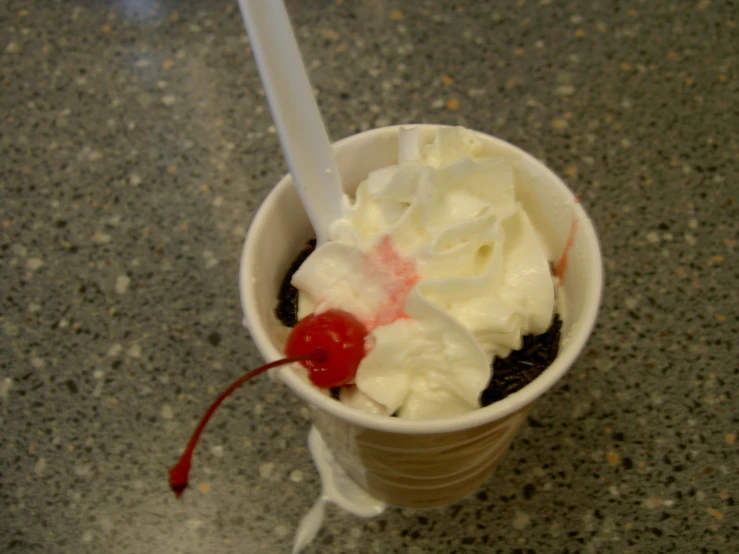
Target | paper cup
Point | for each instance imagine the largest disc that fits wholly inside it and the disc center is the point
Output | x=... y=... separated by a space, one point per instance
x=427 y=463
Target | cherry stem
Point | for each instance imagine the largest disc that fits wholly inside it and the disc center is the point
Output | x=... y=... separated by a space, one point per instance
x=178 y=473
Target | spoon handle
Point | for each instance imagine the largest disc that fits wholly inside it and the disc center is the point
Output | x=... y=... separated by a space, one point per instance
x=299 y=125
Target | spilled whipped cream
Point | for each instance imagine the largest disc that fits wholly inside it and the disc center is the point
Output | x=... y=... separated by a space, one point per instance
x=441 y=263
x=336 y=488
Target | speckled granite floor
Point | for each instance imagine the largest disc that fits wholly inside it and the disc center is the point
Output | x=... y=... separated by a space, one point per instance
x=135 y=147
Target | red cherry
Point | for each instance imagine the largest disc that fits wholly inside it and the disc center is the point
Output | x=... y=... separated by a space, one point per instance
x=339 y=336
x=330 y=345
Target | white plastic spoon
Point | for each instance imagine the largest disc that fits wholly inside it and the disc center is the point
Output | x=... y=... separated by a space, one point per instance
x=299 y=125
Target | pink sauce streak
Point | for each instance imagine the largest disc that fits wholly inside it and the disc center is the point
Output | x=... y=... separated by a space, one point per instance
x=398 y=275
x=560 y=266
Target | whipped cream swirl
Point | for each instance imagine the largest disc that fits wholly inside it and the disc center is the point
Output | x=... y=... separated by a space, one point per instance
x=443 y=266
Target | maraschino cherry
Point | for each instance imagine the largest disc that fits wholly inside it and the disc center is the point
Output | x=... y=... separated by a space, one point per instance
x=330 y=345
x=337 y=333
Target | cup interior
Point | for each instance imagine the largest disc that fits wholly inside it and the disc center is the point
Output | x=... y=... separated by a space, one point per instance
x=281 y=228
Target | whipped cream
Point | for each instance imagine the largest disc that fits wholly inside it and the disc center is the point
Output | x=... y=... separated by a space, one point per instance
x=442 y=265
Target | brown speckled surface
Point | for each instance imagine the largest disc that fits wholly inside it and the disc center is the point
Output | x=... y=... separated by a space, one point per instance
x=135 y=146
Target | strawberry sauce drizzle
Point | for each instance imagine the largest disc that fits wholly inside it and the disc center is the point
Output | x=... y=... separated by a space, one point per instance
x=560 y=266
x=398 y=275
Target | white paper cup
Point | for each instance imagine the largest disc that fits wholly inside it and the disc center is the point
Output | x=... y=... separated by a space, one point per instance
x=432 y=462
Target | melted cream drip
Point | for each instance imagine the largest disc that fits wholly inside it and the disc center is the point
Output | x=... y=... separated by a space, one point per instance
x=336 y=487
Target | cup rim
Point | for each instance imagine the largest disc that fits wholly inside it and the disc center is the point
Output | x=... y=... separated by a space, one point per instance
x=576 y=338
